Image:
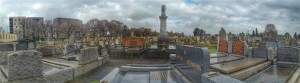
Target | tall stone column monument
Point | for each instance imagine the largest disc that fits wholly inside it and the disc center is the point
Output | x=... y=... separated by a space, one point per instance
x=163 y=38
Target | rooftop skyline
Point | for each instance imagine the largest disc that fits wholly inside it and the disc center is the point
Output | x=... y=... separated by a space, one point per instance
x=183 y=15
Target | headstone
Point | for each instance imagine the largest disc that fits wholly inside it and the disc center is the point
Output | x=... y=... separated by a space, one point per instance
x=23 y=64
x=194 y=61
x=46 y=51
x=281 y=43
x=88 y=55
x=22 y=45
x=69 y=49
x=294 y=43
x=222 y=34
x=238 y=47
x=260 y=52
x=230 y=47
x=289 y=54
x=6 y=47
x=223 y=46
x=31 y=46
x=273 y=45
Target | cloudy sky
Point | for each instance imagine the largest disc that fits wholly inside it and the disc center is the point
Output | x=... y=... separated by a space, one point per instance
x=183 y=15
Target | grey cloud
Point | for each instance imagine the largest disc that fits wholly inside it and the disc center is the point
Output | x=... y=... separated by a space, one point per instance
x=234 y=15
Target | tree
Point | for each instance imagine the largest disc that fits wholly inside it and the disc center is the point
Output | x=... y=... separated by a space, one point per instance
x=49 y=28
x=92 y=27
x=295 y=35
x=196 y=31
x=253 y=34
x=126 y=32
x=256 y=32
x=229 y=34
x=1 y=30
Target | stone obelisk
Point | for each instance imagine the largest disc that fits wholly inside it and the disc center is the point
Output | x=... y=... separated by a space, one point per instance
x=163 y=38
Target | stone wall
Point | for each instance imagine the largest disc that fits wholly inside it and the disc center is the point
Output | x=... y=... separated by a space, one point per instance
x=88 y=55
x=3 y=56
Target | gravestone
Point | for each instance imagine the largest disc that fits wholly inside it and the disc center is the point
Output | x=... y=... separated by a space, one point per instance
x=273 y=45
x=6 y=47
x=192 y=61
x=31 y=45
x=230 y=47
x=22 y=45
x=289 y=54
x=294 y=43
x=88 y=55
x=70 y=47
x=281 y=43
x=23 y=64
x=223 y=46
x=260 y=52
x=238 y=47
x=46 y=51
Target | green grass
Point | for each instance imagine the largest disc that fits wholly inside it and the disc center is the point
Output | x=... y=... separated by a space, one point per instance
x=212 y=49
x=96 y=81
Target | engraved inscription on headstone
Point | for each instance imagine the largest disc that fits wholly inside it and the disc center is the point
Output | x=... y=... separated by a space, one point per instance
x=196 y=58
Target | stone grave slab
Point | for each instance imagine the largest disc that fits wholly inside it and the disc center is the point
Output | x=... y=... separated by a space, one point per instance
x=233 y=66
x=224 y=59
x=289 y=54
x=273 y=74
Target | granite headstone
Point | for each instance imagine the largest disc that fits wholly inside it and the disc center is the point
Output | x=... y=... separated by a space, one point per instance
x=195 y=60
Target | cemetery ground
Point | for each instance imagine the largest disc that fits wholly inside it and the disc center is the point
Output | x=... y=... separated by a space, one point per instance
x=101 y=71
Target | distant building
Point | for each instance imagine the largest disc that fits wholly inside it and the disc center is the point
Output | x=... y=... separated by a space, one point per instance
x=59 y=23
x=17 y=25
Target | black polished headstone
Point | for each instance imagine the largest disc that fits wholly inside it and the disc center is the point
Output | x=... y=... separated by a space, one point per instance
x=193 y=61
x=289 y=54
